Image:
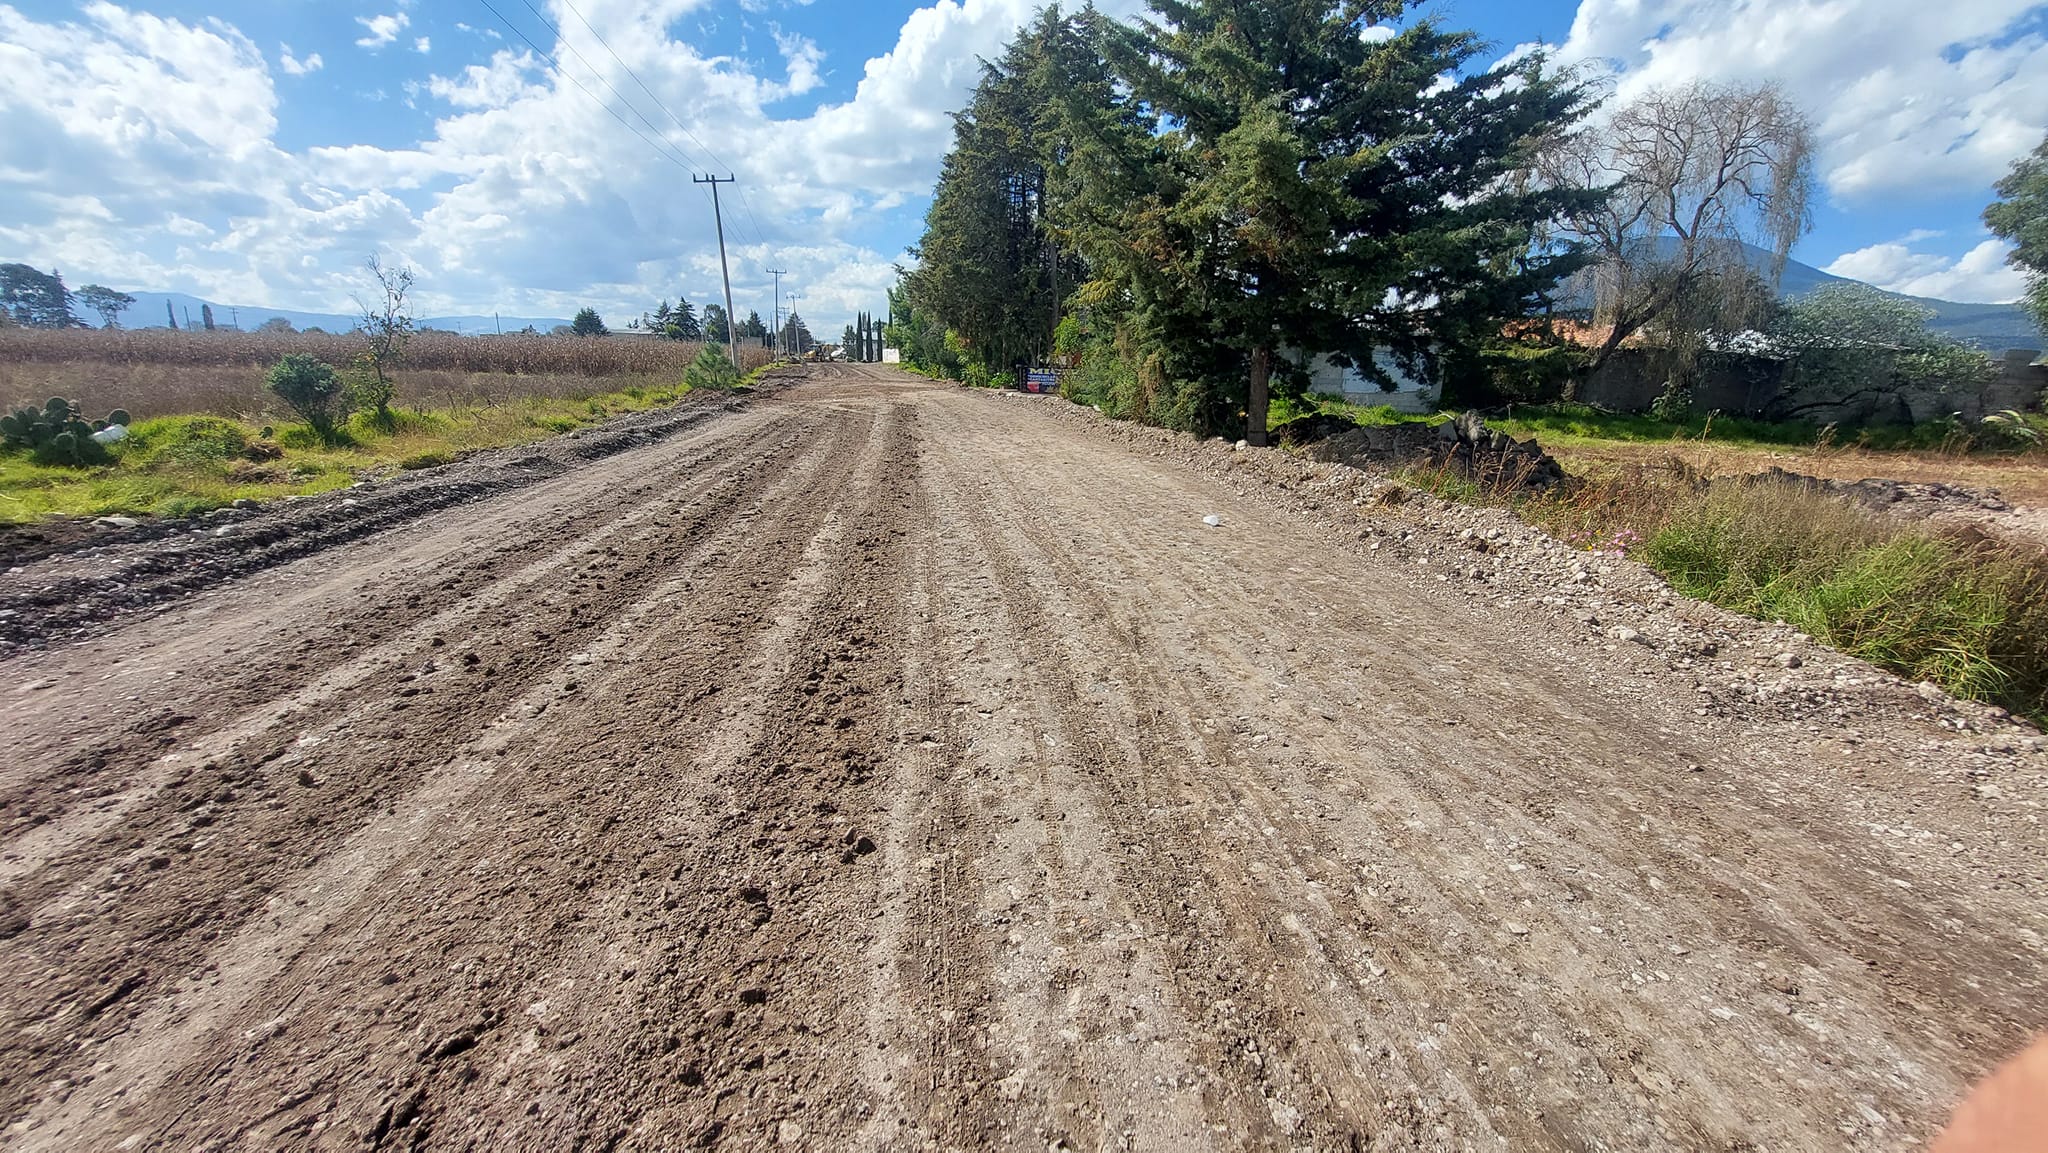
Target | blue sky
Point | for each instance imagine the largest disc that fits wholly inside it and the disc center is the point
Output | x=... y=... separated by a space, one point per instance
x=255 y=153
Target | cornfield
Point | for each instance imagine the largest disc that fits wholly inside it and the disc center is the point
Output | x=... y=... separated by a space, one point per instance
x=160 y=372
x=432 y=351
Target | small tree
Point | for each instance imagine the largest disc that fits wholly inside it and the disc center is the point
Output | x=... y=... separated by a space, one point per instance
x=1691 y=176
x=712 y=369
x=386 y=326
x=715 y=325
x=310 y=388
x=588 y=323
x=276 y=324
x=107 y=302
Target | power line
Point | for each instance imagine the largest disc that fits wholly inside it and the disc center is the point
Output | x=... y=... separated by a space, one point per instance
x=642 y=83
x=658 y=103
x=564 y=73
x=620 y=96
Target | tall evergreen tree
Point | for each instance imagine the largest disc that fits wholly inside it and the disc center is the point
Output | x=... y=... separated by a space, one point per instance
x=682 y=322
x=990 y=267
x=1263 y=183
x=714 y=324
x=796 y=335
x=206 y=316
x=170 y=315
x=34 y=298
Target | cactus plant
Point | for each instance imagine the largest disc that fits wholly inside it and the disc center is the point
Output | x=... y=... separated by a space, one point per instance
x=57 y=433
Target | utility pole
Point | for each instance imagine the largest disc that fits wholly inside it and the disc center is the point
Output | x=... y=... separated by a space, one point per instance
x=778 y=274
x=732 y=344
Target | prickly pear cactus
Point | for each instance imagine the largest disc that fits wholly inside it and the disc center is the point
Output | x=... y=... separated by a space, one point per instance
x=57 y=433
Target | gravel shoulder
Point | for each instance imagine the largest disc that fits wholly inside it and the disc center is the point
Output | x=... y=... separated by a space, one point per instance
x=883 y=765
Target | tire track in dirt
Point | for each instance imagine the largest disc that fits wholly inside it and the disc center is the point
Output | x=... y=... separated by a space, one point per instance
x=373 y=643
x=1218 y=1047
x=1490 y=995
x=192 y=863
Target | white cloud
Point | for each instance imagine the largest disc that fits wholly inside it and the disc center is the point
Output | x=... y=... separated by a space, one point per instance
x=1981 y=274
x=1909 y=97
x=383 y=29
x=423 y=45
x=297 y=66
x=157 y=165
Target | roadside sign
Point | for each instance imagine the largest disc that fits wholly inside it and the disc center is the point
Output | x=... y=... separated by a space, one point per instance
x=1041 y=380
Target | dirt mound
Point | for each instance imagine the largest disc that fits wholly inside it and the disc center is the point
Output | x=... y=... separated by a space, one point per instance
x=1464 y=445
x=1915 y=499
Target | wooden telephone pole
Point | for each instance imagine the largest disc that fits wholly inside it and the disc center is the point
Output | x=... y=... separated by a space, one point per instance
x=732 y=343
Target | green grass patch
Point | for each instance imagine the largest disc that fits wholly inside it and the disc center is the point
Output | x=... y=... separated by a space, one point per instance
x=1583 y=422
x=1967 y=612
x=1283 y=409
x=185 y=465
x=1970 y=616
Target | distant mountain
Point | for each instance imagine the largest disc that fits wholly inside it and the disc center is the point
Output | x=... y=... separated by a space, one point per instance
x=148 y=312
x=1992 y=327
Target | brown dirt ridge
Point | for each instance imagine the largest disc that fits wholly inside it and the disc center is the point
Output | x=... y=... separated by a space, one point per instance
x=883 y=765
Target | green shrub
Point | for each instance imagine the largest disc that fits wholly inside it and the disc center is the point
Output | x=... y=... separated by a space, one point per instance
x=713 y=368
x=365 y=424
x=186 y=440
x=310 y=388
x=303 y=437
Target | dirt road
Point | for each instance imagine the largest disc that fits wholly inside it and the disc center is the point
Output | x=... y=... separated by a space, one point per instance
x=887 y=766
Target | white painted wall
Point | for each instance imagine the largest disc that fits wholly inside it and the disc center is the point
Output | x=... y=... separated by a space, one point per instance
x=1328 y=379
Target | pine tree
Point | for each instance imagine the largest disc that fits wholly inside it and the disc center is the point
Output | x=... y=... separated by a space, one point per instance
x=34 y=298
x=682 y=322
x=1246 y=186
x=206 y=316
x=715 y=326
x=170 y=315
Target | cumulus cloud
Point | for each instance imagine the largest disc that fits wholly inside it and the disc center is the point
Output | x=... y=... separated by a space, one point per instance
x=1909 y=97
x=423 y=45
x=1981 y=274
x=383 y=29
x=156 y=164
x=298 y=66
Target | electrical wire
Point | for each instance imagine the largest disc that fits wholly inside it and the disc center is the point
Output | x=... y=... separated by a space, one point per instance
x=659 y=147
x=759 y=236
x=616 y=94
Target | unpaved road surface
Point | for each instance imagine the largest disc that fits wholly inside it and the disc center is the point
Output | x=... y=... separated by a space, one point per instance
x=885 y=766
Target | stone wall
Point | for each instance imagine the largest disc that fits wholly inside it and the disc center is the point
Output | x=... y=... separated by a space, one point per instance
x=1753 y=386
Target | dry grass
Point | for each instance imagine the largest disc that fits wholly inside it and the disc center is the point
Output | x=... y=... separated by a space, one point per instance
x=1964 y=610
x=158 y=372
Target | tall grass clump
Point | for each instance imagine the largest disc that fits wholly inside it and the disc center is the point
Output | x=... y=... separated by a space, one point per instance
x=1965 y=611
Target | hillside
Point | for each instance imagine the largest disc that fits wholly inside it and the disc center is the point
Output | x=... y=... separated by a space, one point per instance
x=148 y=312
x=1994 y=327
